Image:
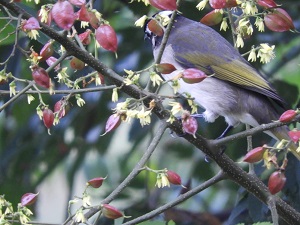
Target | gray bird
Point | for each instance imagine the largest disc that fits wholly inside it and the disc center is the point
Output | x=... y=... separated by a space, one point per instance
x=236 y=91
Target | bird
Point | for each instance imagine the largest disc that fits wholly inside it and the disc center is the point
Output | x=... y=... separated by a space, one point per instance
x=236 y=91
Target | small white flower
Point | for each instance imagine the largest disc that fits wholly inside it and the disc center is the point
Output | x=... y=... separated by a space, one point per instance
x=84 y=24
x=224 y=25
x=239 y=41
x=176 y=107
x=79 y=216
x=33 y=34
x=80 y=102
x=86 y=200
x=12 y=89
x=144 y=116
x=30 y=98
x=115 y=96
x=252 y=55
x=266 y=53
x=175 y=85
x=155 y=78
x=141 y=21
x=259 y=23
x=44 y=14
x=201 y=5
x=162 y=180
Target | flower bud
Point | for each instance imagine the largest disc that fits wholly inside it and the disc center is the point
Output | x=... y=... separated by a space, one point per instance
x=221 y=4
x=193 y=75
x=276 y=182
x=111 y=212
x=112 y=123
x=107 y=38
x=164 y=4
x=30 y=24
x=165 y=68
x=63 y=14
x=76 y=64
x=267 y=3
x=28 y=199
x=52 y=60
x=77 y=2
x=173 y=177
x=48 y=117
x=254 y=155
x=189 y=125
x=85 y=37
x=294 y=135
x=47 y=50
x=279 y=20
x=212 y=18
x=83 y=14
x=58 y=109
x=288 y=115
x=40 y=76
x=96 y=182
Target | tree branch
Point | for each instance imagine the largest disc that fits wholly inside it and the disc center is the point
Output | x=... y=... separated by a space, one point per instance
x=136 y=170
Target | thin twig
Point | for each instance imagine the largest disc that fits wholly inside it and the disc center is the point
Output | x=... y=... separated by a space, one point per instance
x=16 y=96
x=69 y=91
x=249 y=147
x=272 y=206
x=136 y=170
x=218 y=177
x=251 y=132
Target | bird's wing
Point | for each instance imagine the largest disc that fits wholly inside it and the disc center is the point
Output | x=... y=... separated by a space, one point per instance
x=215 y=55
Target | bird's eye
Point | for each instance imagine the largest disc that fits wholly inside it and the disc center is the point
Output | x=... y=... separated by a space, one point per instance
x=147 y=31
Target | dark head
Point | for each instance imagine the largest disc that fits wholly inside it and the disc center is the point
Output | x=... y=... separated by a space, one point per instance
x=161 y=18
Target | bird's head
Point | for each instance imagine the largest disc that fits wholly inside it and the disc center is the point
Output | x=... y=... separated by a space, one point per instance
x=154 y=28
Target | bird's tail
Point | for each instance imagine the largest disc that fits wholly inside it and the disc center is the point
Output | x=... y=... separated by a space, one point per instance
x=282 y=133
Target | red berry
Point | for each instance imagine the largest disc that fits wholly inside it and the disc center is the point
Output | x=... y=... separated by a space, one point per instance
x=288 y=115
x=83 y=14
x=164 y=4
x=279 y=21
x=85 y=37
x=52 y=60
x=58 y=108
x=30 y=24
x=173 y=177
x=40 y=76
x=189 y=125
x=212 y=18
x=220 y=4
x=165 y=68
x=94 y=21
x=294 y=135
x=63 y=14
x=192 y=76
x=276 y=182
x=111 y=212
x=77 y=64
x=47 y=50
x=107 y=38
x=96 y=182
x=48 y=117
x=112 y=123
x=77 y=2
x=254 y=155
x=28 y=199
x=267 y=3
